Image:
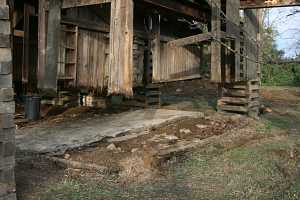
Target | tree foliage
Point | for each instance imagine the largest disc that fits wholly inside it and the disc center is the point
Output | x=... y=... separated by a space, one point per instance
x=272 y=73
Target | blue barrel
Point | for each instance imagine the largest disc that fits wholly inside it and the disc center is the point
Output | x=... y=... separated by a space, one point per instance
x=32 y=107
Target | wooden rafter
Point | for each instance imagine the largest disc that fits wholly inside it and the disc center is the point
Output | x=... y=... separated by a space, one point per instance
x=191 y=40
x=79 y=3
x=268 y=3
x=192 y=10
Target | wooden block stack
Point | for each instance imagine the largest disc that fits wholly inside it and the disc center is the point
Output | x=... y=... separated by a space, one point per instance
x=7 y=109
x=147 y=96
x=153 y=95
x=242 y=97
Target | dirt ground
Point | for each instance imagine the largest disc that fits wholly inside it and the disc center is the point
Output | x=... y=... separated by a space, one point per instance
x=229 y=157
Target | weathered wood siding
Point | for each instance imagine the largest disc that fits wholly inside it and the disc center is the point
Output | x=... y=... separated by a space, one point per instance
x=138 y=61
x=177 y=63
x=92 y=60
x=92 y=63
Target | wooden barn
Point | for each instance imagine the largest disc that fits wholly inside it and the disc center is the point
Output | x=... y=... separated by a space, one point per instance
x=111 y=47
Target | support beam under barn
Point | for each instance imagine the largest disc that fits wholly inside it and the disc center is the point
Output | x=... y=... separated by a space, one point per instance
x=42 y=43
x=233 y=29
x=216 y=75
x=121 y=48
x=53 y=39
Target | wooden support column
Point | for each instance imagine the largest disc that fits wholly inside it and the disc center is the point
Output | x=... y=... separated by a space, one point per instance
x=233 y=28
x=53 y=39
x=121 y=48
x=154 y=44
x=28 y=11
x=259 y=15
x=42 y=42
x=216 y=75
x=251 y=27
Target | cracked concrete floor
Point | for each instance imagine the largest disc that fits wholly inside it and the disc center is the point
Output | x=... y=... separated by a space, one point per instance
x=56 y=139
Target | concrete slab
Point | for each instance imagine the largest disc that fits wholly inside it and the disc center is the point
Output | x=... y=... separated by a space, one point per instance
x=70 y=135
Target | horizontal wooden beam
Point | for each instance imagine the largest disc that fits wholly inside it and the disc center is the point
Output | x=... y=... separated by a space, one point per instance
x=268 y=3
x=79 y=3
x=191 y=40
x=87 y=25
x=185 y=9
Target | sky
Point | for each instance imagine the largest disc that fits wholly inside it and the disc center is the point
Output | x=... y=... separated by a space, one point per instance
x=288 y=28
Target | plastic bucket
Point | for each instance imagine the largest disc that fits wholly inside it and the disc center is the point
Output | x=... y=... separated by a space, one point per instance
x=32 y=107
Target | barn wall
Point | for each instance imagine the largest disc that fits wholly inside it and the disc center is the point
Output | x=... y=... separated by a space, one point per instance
x=7 y=109
x=178 y=63
x=92 y=63
x=93 y=48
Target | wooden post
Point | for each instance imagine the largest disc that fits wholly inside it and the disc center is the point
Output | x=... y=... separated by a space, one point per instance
x=53 y=39
x=259 y=49
x=154 y=41
x=216 y=75
x=42 y=24
x=233 y=28
x=251 y=27
x=121 y=48
x=28 y=11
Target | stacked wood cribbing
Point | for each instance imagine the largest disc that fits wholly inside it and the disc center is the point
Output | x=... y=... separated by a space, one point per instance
x=241 y=97
x=153 y=95
x=148 y=96
x=7 y=109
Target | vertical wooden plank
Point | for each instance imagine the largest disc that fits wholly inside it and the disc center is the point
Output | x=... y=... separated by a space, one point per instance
x=233 y=28
x=259 y=51
x=28 y=11
x=53 y=40
x=216 y=75
x=42 y=24
x=121 y=48
x=251 y=27
x=155 y=48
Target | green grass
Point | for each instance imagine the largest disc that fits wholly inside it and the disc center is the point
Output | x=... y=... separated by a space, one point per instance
x=259 y=170
x=249 y=172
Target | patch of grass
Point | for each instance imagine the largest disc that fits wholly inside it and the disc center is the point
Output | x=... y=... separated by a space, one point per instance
x=256 y=171
x=292 y=193
x=248 y=172
x=280 y=122
x=78 y=190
